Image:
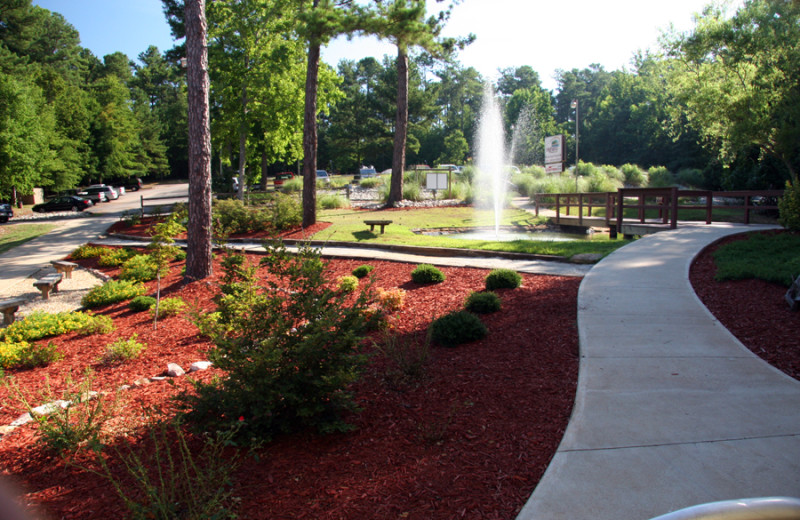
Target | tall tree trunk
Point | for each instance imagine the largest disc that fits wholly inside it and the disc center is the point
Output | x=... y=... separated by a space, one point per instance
x=310 y=135
x=400 y=129
x=243 y=143
x=198 y=253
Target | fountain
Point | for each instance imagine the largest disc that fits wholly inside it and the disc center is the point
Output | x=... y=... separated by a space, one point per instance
x=491 y=158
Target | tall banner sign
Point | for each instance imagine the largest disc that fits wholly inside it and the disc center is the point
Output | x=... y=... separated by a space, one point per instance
x=554 y=153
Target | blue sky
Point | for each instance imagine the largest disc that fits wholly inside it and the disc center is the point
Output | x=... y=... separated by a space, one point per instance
x=545 y=35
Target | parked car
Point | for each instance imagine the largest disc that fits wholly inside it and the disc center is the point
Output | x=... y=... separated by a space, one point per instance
x=108 y=191
x=366 y=172
x=120 y=190
x=95 y=196
x=323 y=176
x=282 y=177
x=66 y=203
x=134 y=184
x=6 y=212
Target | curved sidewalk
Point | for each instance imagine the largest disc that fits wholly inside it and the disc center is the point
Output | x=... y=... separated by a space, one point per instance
x=671 y=410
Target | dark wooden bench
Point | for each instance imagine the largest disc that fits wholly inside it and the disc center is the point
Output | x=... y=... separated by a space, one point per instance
x=48 y=283
x=381 y=223
x=64 y=267
x=9 y=307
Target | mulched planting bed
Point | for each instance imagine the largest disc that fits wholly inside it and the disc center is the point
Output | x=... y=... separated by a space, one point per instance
x=755 y=311
x=470 y=439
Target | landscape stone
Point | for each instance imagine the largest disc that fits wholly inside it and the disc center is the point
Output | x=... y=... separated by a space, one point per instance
x=175 y=370
x=200 y=365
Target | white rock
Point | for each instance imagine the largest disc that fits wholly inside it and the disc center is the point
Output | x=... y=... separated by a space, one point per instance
x=48 y=408
x=22 y=419
x=200 y=365
x=174 y=370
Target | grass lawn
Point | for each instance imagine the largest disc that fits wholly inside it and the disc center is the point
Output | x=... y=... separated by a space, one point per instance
x=770 y=257
x=16 y=235
x=348 y=226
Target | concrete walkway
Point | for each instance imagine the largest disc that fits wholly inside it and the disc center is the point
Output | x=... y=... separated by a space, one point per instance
x=671 y=410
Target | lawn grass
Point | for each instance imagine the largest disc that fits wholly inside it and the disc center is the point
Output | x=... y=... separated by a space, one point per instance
x=348 y=226
x=16 y=235
x=770 y=257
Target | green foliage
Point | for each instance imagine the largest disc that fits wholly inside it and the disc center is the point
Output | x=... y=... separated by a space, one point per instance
x=524 y=184
x=333 y=201
x=408 y=356
x=456 y=328
x=98 y=324
x=691 y=177
x=412 y=191
x=141 y=303
x=122 y=350
x=88 y=251
x=112 y=291
x=232 y=216
x=503 y=279
x=175 y=479
x=287 y=212
x=39 y=325
x=293 y=185
x=114 y=257
x=37 y=355
x=168 y=307
x=362 y=270
x=660 y=177
x=771 y=257
x=72 y=419
x=482 y=302
x=289 y=349
x=140 y=268
x=11 y=352
x=348 y=284
x=634 y=176
x=789 y=207
x=372 y=182
x=427 y=273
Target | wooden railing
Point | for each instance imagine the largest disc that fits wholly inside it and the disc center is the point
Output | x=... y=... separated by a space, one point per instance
x=665 y=203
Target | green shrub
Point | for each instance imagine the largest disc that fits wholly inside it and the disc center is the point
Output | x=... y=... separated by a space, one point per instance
x=634 y=176
x=39 y=325
x=11 y=351
x=39 y=355
x=122 y=350
x=141 y=303
x=660 y=177
x=289 y=357
x=503 y=279
x=362 y=270
x=88 y=251
x=412 y=191
x=98 y=324
x=426 y=273
x=76 y=417
x=457 y=328
x=371 y=182
x=293 y=185
x=482 y=302
x=348 y=284
x=168 y=307
x=691 y=177
x=536 y=171
x=598 y=182
x=112 y=291
x=180 y=255
x=408 y=356
x=115 y=257
x=287 y=212
x=333 y=201
x=524 y=184
x=789 y=207
x=232 y=216
x=140 y=268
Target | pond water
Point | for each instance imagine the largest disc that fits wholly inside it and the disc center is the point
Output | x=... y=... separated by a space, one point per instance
x=547 y=235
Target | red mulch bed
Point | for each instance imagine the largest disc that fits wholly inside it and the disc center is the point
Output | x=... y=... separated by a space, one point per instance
x=470 y=439
x=753 y=310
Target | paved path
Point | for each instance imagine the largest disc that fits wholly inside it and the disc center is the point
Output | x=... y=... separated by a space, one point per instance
x=671 y=410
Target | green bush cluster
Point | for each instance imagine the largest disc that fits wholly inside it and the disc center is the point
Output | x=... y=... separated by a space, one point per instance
x=139 y=268
x=634 y=176
x=112 y=291
x=660 y=177
x=427 y=273
x=503 y=279
x=232 y=216
x=362 y=270
x=88 y=251
x=332 y=201
x=789 y=207
x=122 y=350
x=288 y=344
x=348 y=284
x=456 y=328
x=114 y=257
x=141 y=303
x=168 y=307
x=287 y=212
x=482 y=302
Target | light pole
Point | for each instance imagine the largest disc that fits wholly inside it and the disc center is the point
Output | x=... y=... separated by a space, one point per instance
x=574 y=105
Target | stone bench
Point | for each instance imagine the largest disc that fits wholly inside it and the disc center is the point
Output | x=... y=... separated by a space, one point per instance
x=9 y=307
x=48 y=283
x=381 y=223
x=64 y=267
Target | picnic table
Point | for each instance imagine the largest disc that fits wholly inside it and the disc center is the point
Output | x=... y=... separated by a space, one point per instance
x=381 y=223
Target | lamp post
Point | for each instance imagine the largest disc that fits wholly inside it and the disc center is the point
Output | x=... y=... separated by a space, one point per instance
x=574 y=105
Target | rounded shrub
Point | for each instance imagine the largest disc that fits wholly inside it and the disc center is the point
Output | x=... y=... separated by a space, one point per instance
x=362 y=270
x=427 y=273
x=140 y=268
x=168 y=307
x=503 y=279
x=457 y=328
x=141 y=303
x=333 y=201
x=482 y=302
x=633 y=175
x=348 y=284
x=112 y=292
x=789 y=208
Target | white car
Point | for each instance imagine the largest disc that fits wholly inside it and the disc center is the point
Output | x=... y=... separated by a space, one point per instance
x=108 y=191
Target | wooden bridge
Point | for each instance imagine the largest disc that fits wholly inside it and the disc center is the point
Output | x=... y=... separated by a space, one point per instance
x=655 y=209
